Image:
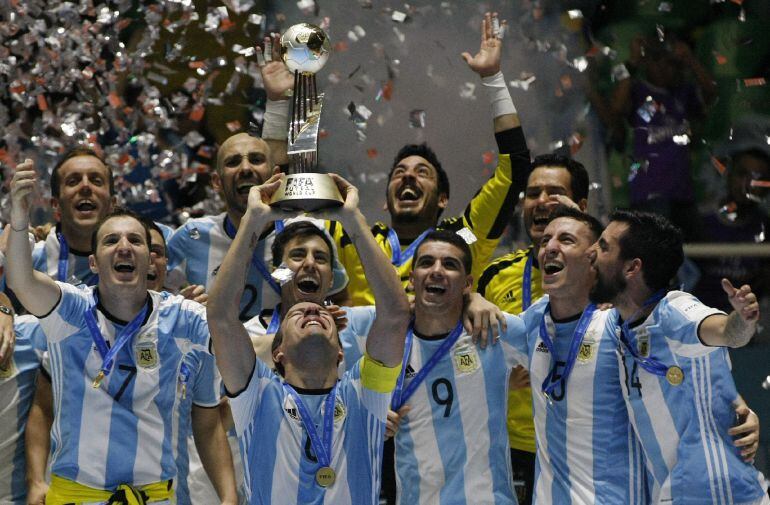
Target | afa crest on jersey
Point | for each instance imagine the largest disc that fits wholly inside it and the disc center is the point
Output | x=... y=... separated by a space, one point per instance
x=146 y=355
x=466 y=359
x=587 y=350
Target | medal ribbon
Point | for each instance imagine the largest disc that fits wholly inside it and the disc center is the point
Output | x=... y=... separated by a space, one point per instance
x=628 y=339
x=401 y=395
x=322 y=448
x=256 y=262
x=548 y=333
x=275 y=321
x=397 y=257
x=526 y=283
x=64 y=253
x=127 y=333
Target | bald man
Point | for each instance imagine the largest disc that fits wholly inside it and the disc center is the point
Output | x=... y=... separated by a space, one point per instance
x=198 y=247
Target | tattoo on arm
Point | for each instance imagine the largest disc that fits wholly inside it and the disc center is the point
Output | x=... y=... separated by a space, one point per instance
x=254 y=240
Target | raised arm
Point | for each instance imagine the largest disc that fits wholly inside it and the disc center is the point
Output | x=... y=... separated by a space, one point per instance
x=385 y=342
x=736 y=329
x=278 y=81
x=37 y=292
x=232 y=345
x=486 y=63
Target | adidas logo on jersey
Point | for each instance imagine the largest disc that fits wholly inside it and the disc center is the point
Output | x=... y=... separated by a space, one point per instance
x=541 y=347
x=215 y=272
x=409 y=372
x=509 y=297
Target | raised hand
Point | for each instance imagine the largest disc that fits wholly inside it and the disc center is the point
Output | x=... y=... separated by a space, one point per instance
x=743 y=300
x=277 y=78
x=487 y=61
x=22 y=186
x=349 y=207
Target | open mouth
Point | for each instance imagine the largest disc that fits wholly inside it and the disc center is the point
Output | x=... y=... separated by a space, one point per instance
x=151 y=276
x=85 y=206
x=308 y=285
x=313 y=321
x=244 y=187
x=409 y=194
x=540 y=221
x=124 y=267
x=552 y=267
x=435 y=289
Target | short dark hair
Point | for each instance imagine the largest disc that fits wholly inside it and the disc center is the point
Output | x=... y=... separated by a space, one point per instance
x=277 y=341
x=653 y=239
x=577 y=172
x=299 y=229
x=570 y=212
x=449 y=237
x=424 y=151
x=152 y=225
x=118 y=211
x=74 y=153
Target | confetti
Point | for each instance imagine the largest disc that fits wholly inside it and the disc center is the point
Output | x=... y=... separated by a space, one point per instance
x=417 y=118
x=398 y=16
x=467 y=235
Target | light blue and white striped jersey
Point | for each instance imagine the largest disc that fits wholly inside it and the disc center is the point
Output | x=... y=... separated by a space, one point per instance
x=683 y=428
x=586 y=450
x=197 y=249
x=452 y=446
x=124 y=431
x=45 y=258
x=17 y=388
x=199 y=384
x=279 y=462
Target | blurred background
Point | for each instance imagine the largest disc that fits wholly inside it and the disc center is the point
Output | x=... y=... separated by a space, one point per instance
x=156 y=86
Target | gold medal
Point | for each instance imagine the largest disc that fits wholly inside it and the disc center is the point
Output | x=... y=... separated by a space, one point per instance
x=325 y=476
x=674 y=375
x=98 y=379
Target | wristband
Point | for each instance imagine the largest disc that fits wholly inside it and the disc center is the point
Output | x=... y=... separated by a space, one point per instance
x=499 y=96
x=276 y=122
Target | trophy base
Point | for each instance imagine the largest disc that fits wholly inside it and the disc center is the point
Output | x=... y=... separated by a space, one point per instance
x=307 y=192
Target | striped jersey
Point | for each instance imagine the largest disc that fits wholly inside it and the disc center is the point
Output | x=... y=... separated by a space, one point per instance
x=278 y=458
x=486 y=215
x=126 y=430
x=199 y=385
x=46 y=255
x=501 y=284
x=17 y=388
x=682 y=428
x=586 y=450
x=197 y=249
x=451 y=448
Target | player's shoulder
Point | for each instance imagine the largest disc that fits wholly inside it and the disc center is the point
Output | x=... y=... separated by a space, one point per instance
x=454 y=223
x=685 y=306
x=503 y=269
x=166 y=302
x=512 y=261
x=380 y=229
x=192 y=229
x=534 y=312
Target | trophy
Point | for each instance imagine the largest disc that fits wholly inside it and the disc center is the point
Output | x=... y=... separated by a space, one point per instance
x=305 y=49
